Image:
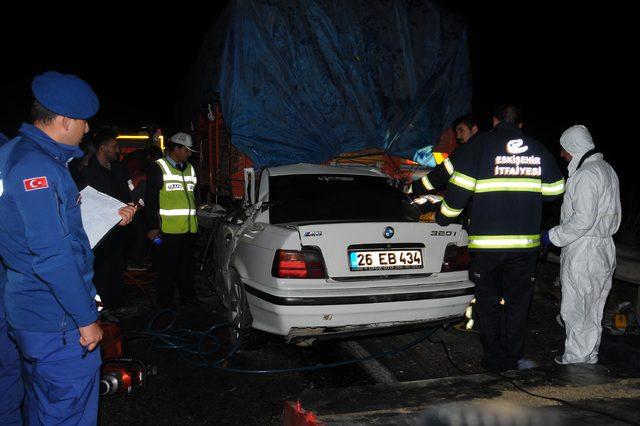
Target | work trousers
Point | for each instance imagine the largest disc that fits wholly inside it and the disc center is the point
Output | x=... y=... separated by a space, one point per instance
x=108 y=269
x=11 y=387
x=510 y=276
x=61 y=387
x=174 y=264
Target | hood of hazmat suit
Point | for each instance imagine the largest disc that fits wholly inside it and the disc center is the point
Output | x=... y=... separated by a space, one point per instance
x=577 y=141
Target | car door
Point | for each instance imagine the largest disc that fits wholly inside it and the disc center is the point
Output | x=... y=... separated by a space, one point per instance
x=225 y=243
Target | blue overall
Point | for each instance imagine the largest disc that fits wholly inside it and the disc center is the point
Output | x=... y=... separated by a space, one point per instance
x=49 y=293
x=11 y=387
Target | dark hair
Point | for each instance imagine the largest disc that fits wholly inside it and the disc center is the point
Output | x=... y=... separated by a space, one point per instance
x=87 y=147
x=508 y=114
x=468 y=120
x=102 y=138
x=41 y=114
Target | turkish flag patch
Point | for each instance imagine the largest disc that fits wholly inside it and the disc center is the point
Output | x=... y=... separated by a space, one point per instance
x=34 y=183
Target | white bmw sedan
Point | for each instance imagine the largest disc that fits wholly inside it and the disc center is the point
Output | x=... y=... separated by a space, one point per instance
x=327 y=251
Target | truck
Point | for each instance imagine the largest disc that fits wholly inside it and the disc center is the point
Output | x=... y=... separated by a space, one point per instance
x=283 y=82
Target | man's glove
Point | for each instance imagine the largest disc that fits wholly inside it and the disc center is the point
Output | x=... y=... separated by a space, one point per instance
x=434 y=199
x=429 y=198
x=545 y=241
x=424 y=157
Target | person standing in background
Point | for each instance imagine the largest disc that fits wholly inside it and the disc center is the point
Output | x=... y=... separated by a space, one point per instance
x=105 y=174
x=171 y=216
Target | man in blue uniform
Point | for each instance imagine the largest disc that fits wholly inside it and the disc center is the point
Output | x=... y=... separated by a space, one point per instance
x=11 y=387
x=49 y=296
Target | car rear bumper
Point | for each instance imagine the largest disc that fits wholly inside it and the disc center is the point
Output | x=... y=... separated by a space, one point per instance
x=297 y=335
x=305 y=313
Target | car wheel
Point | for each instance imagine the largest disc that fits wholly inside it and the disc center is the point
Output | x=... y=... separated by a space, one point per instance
x=246 y=337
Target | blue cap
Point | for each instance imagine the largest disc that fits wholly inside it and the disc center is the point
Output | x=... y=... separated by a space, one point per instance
x=65 y=94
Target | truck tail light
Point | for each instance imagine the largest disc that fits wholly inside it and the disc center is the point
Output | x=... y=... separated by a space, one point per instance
x=455 y=259
x=298 y=264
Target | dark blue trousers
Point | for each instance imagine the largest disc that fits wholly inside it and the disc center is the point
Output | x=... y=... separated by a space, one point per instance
x=502 y=329
x=61 y=386
x=11 y=388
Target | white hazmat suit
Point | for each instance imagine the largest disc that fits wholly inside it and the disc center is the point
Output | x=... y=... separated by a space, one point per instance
x=590 y=215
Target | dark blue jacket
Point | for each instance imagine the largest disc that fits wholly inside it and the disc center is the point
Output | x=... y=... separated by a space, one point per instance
x=3 y=271
x=508 y=176
x=3 y=282
x=42 y=241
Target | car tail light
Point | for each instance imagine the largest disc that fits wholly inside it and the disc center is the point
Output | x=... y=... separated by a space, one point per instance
x=455 y=259
x=298 y=264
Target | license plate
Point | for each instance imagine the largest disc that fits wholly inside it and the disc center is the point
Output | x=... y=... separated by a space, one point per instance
x=382 y=260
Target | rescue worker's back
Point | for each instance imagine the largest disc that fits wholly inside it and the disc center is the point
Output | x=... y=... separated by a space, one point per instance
x=508 y=175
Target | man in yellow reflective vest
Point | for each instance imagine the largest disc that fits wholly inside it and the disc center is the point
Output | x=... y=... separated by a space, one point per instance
x=170 y=207
x=507 y=175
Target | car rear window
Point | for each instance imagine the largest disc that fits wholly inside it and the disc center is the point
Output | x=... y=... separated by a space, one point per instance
x=304 y=199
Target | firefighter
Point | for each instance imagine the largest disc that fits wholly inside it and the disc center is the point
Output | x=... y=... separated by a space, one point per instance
x=590 y=215
x=49 y=296
x=508 y=176
x=170 y=211
x=465 y=127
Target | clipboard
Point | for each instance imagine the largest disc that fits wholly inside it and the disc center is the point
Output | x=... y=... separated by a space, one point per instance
x=99 y=213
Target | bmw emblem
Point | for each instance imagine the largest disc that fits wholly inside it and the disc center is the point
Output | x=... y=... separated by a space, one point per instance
x=388 y=232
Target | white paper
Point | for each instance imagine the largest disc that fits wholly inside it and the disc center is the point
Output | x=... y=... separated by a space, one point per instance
x=99 y=213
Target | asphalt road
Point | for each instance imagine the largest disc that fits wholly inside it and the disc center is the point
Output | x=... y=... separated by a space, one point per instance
x=182 y=394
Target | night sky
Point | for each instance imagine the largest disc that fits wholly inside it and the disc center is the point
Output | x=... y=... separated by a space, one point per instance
x=561 y=65
x=134 y=59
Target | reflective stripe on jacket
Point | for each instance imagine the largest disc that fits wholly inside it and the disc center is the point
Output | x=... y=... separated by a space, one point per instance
x=435 y=179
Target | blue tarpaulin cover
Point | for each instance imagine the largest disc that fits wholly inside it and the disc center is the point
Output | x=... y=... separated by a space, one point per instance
x=304 y=81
